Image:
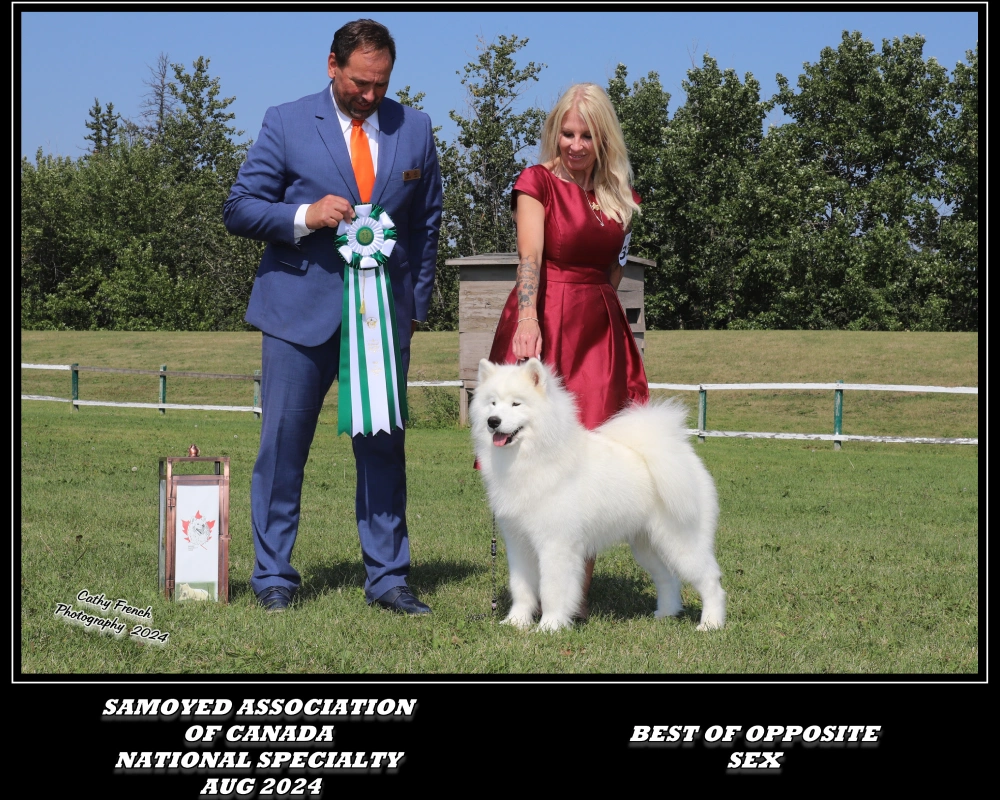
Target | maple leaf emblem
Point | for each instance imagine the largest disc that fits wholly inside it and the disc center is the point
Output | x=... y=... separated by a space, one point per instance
x=197 y=531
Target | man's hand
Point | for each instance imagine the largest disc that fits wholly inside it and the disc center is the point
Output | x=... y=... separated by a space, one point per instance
x=328 y=212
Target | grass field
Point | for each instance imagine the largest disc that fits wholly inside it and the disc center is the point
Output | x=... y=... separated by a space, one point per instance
x=862 y=561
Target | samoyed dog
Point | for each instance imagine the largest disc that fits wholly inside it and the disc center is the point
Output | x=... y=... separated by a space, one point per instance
x=561 y=494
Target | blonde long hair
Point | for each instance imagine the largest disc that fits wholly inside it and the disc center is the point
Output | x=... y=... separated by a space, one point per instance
x=612 y=170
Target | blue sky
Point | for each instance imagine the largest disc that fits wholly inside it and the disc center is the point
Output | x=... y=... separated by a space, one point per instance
x=263 y=58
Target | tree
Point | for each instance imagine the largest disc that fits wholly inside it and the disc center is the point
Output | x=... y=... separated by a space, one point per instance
x=131 y=237
x=199 y=147
x=159 y=102
x=643 y=115
x=103 y=126
x=199 y=136
x=710 y=151
x=443 y=313
x=490 y=141
x=860 y=212
x=961 y=139
x=958 y=237
x=479 y=168
x=869 y=121
x=50 y=210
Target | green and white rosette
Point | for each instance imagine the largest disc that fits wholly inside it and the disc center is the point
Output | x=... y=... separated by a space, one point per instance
x=372 y=393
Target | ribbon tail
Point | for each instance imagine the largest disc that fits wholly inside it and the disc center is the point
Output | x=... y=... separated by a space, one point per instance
x=345 y=375
x=397 y=360
x=390 y=348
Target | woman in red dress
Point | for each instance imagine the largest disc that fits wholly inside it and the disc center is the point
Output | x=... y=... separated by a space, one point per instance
x=574 y=215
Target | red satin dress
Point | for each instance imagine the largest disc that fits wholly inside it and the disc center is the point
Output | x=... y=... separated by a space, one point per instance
x=586 y=337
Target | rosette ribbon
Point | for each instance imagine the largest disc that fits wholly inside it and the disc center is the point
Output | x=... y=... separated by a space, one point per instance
x=372 y=393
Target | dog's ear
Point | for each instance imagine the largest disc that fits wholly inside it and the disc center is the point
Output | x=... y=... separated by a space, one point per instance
x=536 y=371
x=486 y=368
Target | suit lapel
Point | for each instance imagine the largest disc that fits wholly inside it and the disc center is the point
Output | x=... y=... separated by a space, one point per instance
x=328 y=126
x=390 y=117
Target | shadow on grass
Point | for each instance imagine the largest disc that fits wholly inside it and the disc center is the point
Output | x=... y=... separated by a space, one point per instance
x=614 y=599
x=621 y=598
x=426 y=577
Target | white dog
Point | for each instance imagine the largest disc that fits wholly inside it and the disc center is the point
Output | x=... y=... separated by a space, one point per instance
x=187 y=592
x=561 y=494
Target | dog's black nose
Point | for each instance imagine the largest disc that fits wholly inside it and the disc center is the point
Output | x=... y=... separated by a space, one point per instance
x=493 y=422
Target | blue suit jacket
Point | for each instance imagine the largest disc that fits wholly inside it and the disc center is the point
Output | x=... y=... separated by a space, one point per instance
x=300 y=157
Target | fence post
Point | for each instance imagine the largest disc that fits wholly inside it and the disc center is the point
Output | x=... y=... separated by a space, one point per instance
x=74 y=385
x=838 y=414
x=256 y=392
x=702 y=412
x=163 y=387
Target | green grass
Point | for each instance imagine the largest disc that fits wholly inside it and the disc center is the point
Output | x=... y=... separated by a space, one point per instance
x=863 y=561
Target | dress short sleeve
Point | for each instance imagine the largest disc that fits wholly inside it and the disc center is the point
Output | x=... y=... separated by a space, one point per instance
x=534 y=183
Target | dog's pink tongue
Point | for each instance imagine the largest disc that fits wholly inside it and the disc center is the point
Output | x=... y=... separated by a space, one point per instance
x=499 y=439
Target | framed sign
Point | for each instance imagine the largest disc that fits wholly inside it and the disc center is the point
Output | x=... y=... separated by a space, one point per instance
x=194 y=528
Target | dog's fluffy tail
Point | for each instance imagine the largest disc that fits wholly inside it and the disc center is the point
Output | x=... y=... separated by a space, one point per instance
x=657 y=431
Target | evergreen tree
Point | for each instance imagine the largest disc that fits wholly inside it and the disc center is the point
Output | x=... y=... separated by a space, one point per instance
x=479 y=168
x=487 y=157
x=103 y=126
x=198 y=143
x=199 y=136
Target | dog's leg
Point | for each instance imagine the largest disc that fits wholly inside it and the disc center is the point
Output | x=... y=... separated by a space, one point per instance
x=668 y=586
x=523 y=565
x=698 y=567
x=690 y=555
x=561 y=587
x=713 y=599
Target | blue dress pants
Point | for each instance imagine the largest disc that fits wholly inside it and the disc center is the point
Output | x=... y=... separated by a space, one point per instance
x=295 y=379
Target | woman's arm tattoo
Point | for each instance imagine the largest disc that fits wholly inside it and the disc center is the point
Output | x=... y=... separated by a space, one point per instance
x=527 y=283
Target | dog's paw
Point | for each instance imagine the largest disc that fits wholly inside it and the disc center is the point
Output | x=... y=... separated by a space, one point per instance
x=518 y=621
x=552 y=623
x=713 y=618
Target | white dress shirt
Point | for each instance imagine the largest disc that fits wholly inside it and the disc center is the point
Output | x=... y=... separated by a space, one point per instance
x=370 y=127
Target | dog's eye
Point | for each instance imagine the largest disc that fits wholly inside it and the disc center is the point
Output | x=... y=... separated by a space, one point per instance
x=515 y=404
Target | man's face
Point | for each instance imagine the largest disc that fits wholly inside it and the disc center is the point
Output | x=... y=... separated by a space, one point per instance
x=361 y=83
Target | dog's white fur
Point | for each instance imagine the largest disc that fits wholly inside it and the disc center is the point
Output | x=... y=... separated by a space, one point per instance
x=561 y=494
x=186 y=592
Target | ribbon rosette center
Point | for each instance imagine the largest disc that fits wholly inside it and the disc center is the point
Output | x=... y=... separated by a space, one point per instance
x=367 y=241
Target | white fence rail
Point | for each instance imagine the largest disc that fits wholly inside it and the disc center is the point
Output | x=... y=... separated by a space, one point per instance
x=702 y=431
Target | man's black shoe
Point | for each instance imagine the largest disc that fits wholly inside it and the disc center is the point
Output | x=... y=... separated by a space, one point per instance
x=275 y=598
x=402 y=600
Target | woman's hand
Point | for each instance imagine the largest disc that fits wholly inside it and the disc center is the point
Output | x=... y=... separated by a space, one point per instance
x=528 y=339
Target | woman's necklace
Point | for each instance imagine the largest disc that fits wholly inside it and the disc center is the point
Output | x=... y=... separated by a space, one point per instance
x=595 y=207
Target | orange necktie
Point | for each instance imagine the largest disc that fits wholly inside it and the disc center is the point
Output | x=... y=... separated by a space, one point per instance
x=361 y=160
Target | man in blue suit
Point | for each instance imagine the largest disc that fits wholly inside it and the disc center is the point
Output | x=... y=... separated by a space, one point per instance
x=297 y=184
